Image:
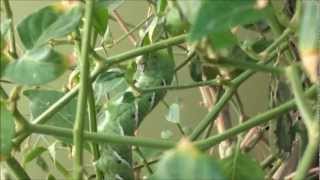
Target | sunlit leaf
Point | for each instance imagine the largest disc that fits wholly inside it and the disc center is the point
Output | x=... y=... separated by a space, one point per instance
x=186 y=162
x=48 y=23
x=174 y=113
x=37 y=66
x=241 y=166
x=7 y=131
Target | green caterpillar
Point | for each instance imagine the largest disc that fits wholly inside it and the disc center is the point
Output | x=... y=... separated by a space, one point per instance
x=124 y=115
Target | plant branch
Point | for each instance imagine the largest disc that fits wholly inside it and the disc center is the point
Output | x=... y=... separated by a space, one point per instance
x=312 y=125
x=17 y=169
x=213 y=113
x=93 y=128
x=13 y=48
x=214 y=82
x=120 y=21
x=78 y=127
x=161 y=144
x=103 y=138
x=104 y=64
x=252 y=122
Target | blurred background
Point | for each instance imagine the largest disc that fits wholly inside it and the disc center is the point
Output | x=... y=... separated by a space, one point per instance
x=253 y=93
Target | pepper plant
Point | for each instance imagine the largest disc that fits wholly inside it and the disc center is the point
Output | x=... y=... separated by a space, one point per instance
x=98 y=111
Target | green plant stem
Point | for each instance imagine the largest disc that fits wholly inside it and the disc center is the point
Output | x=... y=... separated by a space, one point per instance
x=235 y=83
x=104 y=64
x=93 y=128
x=304 y=108
x=240 y=64
x=277 y=31
x=145 y=49
x=78 y=127
x=252 y=122
x=285 y=34
x=17 y=169
x=312 y=125
x=307 y=158
x=213 y=113
x=13 y=48
x=161 y=144
x=213 y=82
x=185 y=62
x=103 y=138
x=268 y=161
x=131 y=31
x=144 y=160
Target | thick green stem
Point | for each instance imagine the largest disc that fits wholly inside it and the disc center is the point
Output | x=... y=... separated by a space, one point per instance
x=304 y=108
x=252 y=122
x=283 y=37
x=93 y=128
x=17 y=169
x=83 y=92
x=308 y=157
x=161 y=144
x=145 y=49
x=13 y=48
x=103 y=138
x=213 y=82
x=312 y=124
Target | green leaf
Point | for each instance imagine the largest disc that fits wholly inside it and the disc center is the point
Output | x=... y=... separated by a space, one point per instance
x=221 y=16
x=32 y=154
x=41 y=100
x=4 y=28
x=7 y=131
x=37 y=66
x=100 y=18
x=110 y=83
x=224 y=39
x=174 y=113
x=48 y=23
x=186 y=162
x=241 y=166
x=190 y=9
x=111 y=4
x=161 y=6
x=175 y=24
